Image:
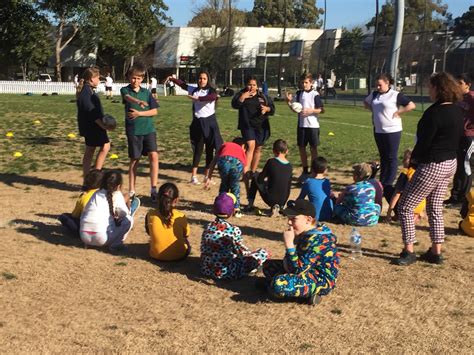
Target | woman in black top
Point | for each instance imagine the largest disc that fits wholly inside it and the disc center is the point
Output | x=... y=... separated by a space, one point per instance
x=254 y=108
x=434 y=157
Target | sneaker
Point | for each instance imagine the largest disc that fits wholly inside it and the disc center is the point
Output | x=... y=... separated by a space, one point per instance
x=154 y=194
x=452 y=202
x=275 y=211
x=238 y=214
x=302 y=178
x=405 y=258
x=248 y=209
x=194 y=180
x=118 y=249
x=135 y=204
x=131 y=195
x=431 y=258
x=314 y=299
x=258 y=212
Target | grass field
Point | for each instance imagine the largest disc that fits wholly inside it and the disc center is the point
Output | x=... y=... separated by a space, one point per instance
x=58 y=297
x=46 y=146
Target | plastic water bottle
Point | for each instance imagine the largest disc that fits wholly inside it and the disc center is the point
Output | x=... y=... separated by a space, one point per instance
x=355 y=240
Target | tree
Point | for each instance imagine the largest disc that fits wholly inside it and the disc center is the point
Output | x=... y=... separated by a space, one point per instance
x=67 y=16
x=415 y=17
x=299 y=13
x=464 y=25
x=216 y=13
x=349 y=58
x=24 y=35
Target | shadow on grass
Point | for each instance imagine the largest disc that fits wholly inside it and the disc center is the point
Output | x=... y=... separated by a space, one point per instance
x=370 y=253
x=12 y=179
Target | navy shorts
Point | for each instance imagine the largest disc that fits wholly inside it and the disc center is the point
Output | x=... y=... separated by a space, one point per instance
x=141 y=145
x=305 y=136
x=96 y=138
x=260 y=136
x=108 y=88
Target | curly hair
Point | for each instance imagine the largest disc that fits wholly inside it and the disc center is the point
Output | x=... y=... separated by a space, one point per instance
x=110 y=183
x=167 y=193
x=446 y=87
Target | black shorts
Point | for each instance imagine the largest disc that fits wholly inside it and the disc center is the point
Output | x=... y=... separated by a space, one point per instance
x=108 y=88
x=141 y=145
x=153 y=91
x=305 y=136
x=96 y=138
x=253 y=134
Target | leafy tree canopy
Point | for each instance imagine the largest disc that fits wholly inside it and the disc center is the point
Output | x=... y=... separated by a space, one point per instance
x=464 y=25
x=350 y=58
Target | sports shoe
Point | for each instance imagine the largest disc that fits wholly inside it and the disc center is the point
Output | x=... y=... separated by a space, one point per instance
x=431 y=258
x=406 y=258
x=118 y=249
x=275 y=210
x=238 y=214
x=194 y=180
x=134 y=205
x=451 y=202
x=314 y=299
x=154 y=194
x=302 y=178
x=131 y=195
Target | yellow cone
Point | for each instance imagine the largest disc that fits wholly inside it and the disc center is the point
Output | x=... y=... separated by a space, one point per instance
x=71 y=135
x=331 y=134
x=113 y=156
x=37 y=122
x=9 y=134
x=17 y=154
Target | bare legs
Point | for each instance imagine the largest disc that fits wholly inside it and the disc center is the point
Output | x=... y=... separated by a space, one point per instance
x=153 y=158
x=99 y=161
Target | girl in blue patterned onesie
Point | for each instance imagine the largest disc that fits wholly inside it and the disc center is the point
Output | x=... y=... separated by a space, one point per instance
x=310 y=266
x=223 y=254
x=356 y=204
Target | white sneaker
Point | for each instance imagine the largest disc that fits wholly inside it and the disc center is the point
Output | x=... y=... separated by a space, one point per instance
x=194 y=180
x=238 y=214
x=275 y=211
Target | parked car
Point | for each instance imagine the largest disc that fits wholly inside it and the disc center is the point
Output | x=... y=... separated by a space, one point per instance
x=44 y=77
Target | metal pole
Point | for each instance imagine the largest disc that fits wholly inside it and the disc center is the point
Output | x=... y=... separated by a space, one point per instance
x=229 y=28
x=265 y=69
x=397 y=38
x=369 y=71
x=281 y=51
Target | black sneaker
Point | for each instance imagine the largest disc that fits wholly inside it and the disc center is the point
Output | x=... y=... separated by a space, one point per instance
x=406 y=258
x=431 y=258
x=451 y=202
x=314 y=299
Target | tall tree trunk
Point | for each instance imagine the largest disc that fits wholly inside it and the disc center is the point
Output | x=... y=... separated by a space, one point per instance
x=57 y=49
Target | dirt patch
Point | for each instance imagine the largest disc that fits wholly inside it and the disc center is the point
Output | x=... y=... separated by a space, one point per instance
x=57 y=296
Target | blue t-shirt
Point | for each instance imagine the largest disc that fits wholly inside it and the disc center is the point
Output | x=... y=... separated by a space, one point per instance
x=318 y=192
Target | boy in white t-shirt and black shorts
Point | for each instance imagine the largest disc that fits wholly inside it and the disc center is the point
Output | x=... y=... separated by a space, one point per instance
x=308 y=121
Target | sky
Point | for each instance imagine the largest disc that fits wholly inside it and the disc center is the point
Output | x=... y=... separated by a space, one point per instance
x=347 y=13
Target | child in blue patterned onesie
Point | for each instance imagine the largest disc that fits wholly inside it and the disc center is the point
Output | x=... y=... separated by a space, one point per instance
x=223 y=254
x=310 y=266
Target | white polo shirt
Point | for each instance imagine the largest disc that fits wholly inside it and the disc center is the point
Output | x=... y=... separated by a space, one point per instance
x=202 y=108
x=309 y=99
x=383 y=107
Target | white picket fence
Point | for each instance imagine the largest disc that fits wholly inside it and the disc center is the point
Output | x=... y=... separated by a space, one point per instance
x=65 y=88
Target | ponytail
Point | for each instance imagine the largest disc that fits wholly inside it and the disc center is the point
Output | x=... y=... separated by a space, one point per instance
x=167 y=193
x=87 y=75
x=110 y=183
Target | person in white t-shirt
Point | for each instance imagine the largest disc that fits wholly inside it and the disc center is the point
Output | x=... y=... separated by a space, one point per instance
x=108 y=86
x=106 y=219
x=204 y=130
x=153 y=84
x=387 y=105
x=308 y=121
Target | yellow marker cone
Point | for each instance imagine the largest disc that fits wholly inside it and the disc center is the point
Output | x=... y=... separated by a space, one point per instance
x=331 y=134
x=71 y=135
x=17 y=154
x=9 y=134
x=37 y=122
x=114 y=156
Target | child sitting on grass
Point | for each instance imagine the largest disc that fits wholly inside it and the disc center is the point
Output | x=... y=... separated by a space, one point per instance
x=107 y=219
x=310 y=266
x=231 y=162
x=167 y=227
x=356 y=204
x=223 y=254
x=274 y=182
x=318 y=190
x=402 y=181
x=92 y=182
x=466 y=226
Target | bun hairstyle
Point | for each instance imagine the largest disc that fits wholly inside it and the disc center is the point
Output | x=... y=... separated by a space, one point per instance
x=110 y=183
x=87 y=75
x=385 y=77
x=167 y=193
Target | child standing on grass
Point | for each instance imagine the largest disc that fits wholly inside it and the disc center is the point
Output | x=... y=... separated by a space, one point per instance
x=318 y=190
x=140 y=107
x=308 y=121
x=167 y=227
x=274 y=182
x=231 y=162
x=402 y=181
x=310 y=266
x=106 y=219
x=92 y=182
x=89 y=118
x=223 y=254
